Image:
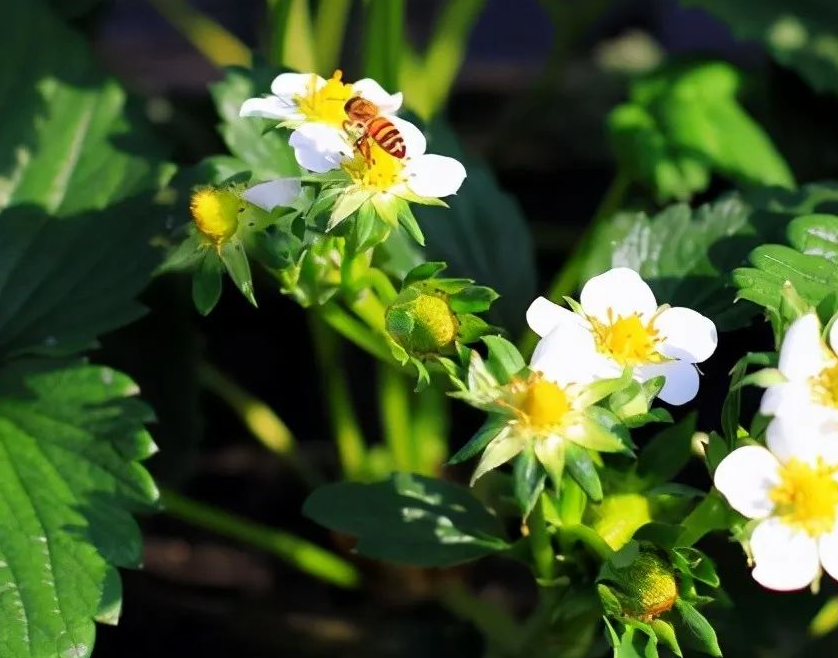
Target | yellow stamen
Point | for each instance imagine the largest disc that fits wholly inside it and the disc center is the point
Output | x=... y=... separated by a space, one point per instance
x=544 y=403
x=627 y=340
x=325 y=104
x=825 y=385
x=807 y=496
x=216 y=213
x=379 y=173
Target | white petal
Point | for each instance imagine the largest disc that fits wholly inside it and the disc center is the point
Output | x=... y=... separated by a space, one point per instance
x=786 y=398
x=414 y=139
x=802 y=353
x=686 y=334
x=786 y=559
x=745 y=477
x=829 y=553
x=797 y=437
x=319 y=147
x=543 y=316
x=568 y=355
x=275 y=193
x=681 y=383
x=269 y=108
x=372 y=91
x=621 y=291
x=434 y=175
x=289 y=85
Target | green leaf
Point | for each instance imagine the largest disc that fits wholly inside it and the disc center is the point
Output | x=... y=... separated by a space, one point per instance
x=423 y=271
x=815 y=234
x=266 y=154
x=581 y=468
x=802 y=35
x=668 y=452
x=77 y=177
x=70 y=439
x=409 y=519
x=483 y=236
x=473 y=299
x=701 y=630
x=684 y=122
x=687 y=256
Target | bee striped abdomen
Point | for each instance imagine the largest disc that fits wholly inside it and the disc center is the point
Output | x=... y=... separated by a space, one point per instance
x=387 y=136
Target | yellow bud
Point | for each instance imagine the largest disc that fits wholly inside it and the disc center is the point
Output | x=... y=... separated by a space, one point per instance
x=647 y=587
x=422 y=323
x=216 y=213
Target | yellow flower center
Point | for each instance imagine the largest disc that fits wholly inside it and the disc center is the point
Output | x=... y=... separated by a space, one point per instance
x=544 y=403
x=825 y=385
x=379 y=174
x=216 y=213
x=807 y=496
x=627 y=340
x=325 y=105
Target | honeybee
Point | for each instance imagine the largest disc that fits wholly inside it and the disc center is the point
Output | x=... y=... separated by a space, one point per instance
x=364 y=116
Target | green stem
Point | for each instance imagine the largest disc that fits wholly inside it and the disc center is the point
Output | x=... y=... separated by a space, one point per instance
x=346 y=430
x=259 y=418
x=592 y=541
x=541 y=545
x=329 y=31
x=355 y=331
x=494 y=623
x=218 y=45
x=297 y=552
x=395 y=406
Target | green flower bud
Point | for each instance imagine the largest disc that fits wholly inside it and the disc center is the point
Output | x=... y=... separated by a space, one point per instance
x=422 y=322
x=647 y=587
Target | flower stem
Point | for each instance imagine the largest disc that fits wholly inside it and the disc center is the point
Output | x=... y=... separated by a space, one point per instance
x=345 y=427
x=260 y=419
x=395 y=406
x=541 y=545
x=499 y=629
x=297 y=552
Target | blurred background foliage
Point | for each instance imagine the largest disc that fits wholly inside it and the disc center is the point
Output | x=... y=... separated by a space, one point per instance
x=564 y=111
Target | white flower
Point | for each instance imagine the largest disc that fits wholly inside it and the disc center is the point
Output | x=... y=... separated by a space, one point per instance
x=792 y=489
x=274 y=193
x=383 y=178
x=620 y=325
x=811 y=371
x=315 y=108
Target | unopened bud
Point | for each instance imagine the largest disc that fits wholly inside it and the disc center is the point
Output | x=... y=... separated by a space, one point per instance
x=422 y=323
x=216 y=213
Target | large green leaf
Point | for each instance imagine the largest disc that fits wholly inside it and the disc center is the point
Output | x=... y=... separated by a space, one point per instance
x=810 y=264
x=265 y=153
x=70 y=440
x=75 y=195
x=683 y=122
x=687 y=256
x=409 y=519
x=483 y=235
x=802 y=35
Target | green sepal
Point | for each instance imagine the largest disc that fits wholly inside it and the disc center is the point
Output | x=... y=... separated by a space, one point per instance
x=235 y=261
x=604 y=432
x=347 y=203
x=185 y=256
x=504 y=360
x=408 y=221
x=665 y=633
x=701 y=630
x=528 y=478
x=472 y=328
x=473 y=299
x=422 y=272
x=491 y=427
x=206 y=283
x=580 y=466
